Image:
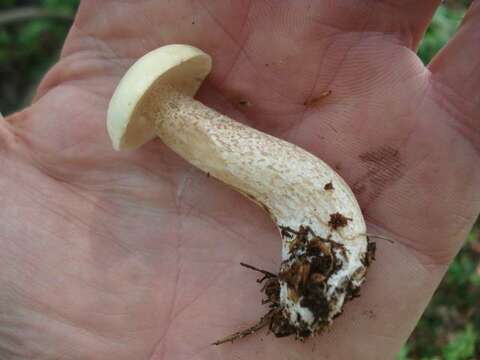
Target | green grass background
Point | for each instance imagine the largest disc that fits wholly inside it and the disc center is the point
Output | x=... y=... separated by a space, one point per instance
x=450 y=327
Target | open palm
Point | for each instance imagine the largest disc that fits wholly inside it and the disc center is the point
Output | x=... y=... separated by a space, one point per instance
x=136 y=255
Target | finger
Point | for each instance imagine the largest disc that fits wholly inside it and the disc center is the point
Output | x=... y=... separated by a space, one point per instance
x=456 y=70
x=405 y=20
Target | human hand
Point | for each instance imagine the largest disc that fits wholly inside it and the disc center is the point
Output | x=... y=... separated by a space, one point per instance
x=136 y=255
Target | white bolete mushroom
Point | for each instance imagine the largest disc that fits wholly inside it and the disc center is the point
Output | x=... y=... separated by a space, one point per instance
x=325 y=250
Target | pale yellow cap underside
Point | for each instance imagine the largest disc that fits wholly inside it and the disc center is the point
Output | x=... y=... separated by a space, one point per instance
x=131 y=112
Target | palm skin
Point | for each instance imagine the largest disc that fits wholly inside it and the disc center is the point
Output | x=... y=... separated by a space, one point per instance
x=136 y=255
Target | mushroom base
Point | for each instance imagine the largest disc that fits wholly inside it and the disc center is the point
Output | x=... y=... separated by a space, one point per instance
x=313 y=284
x=315 y=281
x=311 y=288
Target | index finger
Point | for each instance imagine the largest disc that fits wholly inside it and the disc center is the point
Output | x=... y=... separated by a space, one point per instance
x=456 y=73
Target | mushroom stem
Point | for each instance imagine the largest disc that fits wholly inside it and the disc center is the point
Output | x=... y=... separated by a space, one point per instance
x=227 y=150
x=276 y=174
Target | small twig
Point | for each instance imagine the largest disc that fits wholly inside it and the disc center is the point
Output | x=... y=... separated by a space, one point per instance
x=267 y=274
x=391 y=241
x=29 y=13
x=264 y=321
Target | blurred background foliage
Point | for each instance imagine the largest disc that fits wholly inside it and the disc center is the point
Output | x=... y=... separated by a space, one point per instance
x=31 y=35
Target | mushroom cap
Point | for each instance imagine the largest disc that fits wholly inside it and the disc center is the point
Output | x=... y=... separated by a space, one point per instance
x=138 y=96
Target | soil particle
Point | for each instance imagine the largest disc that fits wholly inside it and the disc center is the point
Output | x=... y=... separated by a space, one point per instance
x=370 y=254
x=337 y=220
x=328 y=186
x=352 y=291
x=280 y=326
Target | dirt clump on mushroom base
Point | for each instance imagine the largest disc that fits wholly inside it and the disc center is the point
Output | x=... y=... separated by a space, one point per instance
x=312 y=261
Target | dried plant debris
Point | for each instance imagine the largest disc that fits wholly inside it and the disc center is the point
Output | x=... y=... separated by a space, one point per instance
x=337 y=220
x=311 y=287
x=328 y=187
